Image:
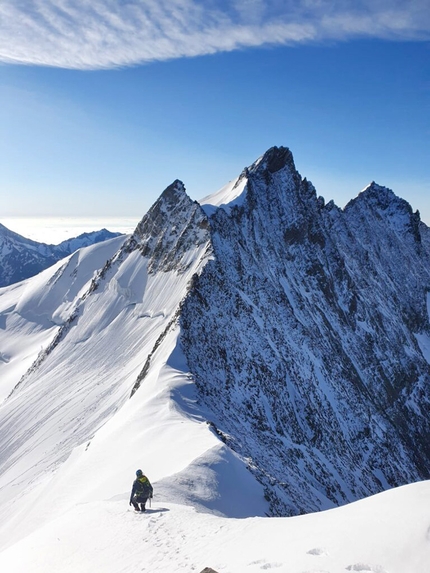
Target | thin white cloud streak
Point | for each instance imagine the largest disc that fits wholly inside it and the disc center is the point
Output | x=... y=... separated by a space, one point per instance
x=91 y=34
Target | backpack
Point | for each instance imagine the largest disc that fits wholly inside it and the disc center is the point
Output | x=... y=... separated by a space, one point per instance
x=143 y=485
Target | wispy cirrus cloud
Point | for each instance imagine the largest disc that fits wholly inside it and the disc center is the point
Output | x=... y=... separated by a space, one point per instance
x=91 y=34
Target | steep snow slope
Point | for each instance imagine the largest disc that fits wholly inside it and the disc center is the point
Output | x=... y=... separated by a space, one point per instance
x=21 y=258
x=31 y=311
x=107 y=345
x=227 y=197
x=306 y=335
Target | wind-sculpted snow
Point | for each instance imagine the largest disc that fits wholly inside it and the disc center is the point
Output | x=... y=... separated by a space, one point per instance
x=109 y=326
x=32 y=312
x=302 y=336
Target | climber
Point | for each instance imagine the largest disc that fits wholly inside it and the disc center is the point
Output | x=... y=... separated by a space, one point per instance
x=141 y=491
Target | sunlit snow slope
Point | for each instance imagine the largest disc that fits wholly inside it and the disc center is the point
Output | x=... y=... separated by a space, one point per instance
x=111 y=328
x=387 y=533
x=32 y=311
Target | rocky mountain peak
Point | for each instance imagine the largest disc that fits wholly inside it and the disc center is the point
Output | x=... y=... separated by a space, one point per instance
x=276 y=197
x=379 y=197
x=173 y=192
x=276 y=170
x=270 y=184
x=379 y=206
x=307 y=336
x=172 y=225
x=275 y=159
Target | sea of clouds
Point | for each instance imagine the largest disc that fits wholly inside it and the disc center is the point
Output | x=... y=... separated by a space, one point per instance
x=53 y=230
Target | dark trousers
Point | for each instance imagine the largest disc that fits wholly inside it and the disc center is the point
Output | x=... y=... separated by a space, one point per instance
x=139 y=499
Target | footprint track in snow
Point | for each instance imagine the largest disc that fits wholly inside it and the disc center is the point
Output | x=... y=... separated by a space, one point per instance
x=364 y=568
x=317 y=551
x=265 y=565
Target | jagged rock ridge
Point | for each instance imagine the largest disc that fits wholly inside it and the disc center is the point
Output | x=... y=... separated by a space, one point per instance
x=308 y=337
x=104 y=326
x=173 y=226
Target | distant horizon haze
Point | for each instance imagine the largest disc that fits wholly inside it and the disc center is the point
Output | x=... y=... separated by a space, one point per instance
x=53 y=230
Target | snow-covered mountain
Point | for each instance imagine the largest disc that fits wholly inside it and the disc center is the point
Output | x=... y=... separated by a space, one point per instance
x=308 y=336
x=21 y=258
x=258 y=353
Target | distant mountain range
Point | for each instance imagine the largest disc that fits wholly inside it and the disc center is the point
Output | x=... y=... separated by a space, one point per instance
x=260 y=329
x=21 y=258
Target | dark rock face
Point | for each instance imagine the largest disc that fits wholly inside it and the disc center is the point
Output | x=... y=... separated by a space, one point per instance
x=21 y=258
x=308 y=335
x=172 y=225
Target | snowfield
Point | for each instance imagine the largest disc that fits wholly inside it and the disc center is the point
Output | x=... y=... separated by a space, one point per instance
x=388 y=533
x=32 y=310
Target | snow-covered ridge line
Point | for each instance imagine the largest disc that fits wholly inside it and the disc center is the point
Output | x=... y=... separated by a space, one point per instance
x=110 y=326
x=143 y=373
x=170 y=216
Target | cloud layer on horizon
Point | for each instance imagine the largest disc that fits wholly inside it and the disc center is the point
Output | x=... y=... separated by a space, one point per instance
x=92 y=34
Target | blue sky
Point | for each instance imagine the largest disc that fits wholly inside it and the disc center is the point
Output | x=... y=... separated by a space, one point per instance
x=105 y=103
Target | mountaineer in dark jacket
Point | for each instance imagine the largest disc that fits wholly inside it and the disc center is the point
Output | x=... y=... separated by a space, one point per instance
x=141 y=491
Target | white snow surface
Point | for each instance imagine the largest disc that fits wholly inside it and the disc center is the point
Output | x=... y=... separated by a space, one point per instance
x=232 y=194
x=32 y=310
x=388 y=533
x=78 y=518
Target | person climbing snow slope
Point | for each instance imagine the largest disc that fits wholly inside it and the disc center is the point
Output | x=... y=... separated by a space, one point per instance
x=141 y=491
